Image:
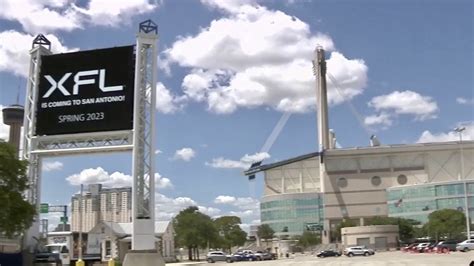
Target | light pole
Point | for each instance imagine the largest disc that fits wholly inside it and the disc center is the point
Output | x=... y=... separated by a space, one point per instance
x=466 y=202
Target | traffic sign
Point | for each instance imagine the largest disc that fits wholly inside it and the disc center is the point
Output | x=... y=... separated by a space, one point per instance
x=44 y=208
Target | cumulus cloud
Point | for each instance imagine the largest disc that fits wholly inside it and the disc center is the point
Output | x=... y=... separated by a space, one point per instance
x=52 y=166
x=185 y=154
x=385 y=120
x=243 y=163
x=14 y=51
x=224 y=199
x=401 y=103
x=465 y=101
x=116 y=179
x=255 y=57
x=41 y=16
x=66 y=15
x=166 y=102
x=166 y=208
x=103 y=13
x=244 y=203
x=467 y=134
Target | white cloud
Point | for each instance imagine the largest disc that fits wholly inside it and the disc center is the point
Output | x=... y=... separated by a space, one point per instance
x=224 y=199
x=41 y=16
x=185 y=154
x=465 y=101
x=246 y=203
x=383 y=119
x=166 y=102
x=243 y=163
x=467 y=134
x=406 y=103
x=15 y=47
x=166 y=208
x=162 y=182
x=212 y=212
x=116 y=179
x=259 y=57
x=158 y=151
x=105 y=13
x=4 y=129
x=52 y=166
x=228 y=5
x=52 y=15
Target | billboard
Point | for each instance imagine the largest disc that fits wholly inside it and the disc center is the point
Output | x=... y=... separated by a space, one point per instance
x=87 y=91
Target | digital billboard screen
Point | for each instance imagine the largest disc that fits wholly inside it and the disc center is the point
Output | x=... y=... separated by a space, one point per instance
x=87 y=91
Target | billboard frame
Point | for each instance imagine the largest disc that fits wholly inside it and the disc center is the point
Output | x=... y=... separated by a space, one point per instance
x=139 y=140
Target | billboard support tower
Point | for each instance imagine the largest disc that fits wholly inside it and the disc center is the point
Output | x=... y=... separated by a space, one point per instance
x=41 y=46
x=143 y=202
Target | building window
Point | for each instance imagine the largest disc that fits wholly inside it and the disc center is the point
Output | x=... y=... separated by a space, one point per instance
x=342 y=182
x=402 y=179
x=376 y=181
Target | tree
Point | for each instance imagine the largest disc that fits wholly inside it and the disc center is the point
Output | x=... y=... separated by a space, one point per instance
x=309 y=238
x=446 y=223
x=265 y=232
x=194 y=229
x=344 y=223
x=16 y=214
x=229 y=229
x=406 y=227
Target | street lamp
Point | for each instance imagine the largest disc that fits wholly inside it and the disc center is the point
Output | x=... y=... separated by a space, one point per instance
x=466 y=203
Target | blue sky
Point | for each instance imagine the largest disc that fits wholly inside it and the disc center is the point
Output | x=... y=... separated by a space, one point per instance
x=229 y=70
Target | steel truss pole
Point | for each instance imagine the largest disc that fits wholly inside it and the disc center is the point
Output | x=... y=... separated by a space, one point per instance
x=143 y=209
x=41 y=46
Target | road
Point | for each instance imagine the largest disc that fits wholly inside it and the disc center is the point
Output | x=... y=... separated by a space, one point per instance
x=393 y=258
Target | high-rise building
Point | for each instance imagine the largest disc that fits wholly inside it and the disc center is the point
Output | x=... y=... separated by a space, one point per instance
x=101 y=204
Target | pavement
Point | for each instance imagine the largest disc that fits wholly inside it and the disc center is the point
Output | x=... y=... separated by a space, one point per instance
x=389 y=258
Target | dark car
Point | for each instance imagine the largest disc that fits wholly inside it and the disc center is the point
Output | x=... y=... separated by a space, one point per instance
x=430 y=248
x=444 y=246
x=328 y=253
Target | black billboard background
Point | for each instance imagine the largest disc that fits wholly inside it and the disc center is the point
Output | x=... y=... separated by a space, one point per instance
x=119 y=63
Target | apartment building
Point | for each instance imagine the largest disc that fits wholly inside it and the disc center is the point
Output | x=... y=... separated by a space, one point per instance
x=101 y=204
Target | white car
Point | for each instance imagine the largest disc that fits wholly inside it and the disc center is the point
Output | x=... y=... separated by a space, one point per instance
x=214 y=256
x=358 y=250
x=466 y=245
x=420 y=247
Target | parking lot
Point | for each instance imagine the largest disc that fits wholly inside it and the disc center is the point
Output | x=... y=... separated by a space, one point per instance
x=379 y=259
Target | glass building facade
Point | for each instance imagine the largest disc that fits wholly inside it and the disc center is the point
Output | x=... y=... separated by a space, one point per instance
x=418 y=201
x=292 y=214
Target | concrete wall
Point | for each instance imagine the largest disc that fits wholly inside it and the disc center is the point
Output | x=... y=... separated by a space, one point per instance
x=378 y=237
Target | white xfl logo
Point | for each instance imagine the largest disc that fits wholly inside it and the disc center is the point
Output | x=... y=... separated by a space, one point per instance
x=78 y=81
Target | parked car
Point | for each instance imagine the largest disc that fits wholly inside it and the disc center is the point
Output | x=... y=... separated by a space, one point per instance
x=466 y=245
x=244 y=256
x=409 y=247
x=421 y=246
x=430 y=248
x=446 y=245
x=214 y=256
x=328 y=253
x=358 y=250
x=263 y=255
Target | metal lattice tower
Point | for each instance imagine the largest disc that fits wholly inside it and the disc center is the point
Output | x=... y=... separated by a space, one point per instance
x=41 y=46
x=143 y=141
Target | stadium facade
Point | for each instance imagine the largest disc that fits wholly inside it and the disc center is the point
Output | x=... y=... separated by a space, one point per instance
x=317 y=191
